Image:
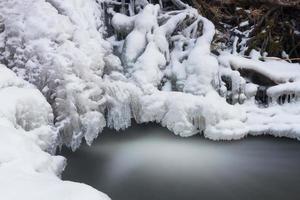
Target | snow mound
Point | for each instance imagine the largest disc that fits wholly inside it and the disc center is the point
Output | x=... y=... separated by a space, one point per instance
x=27 y=171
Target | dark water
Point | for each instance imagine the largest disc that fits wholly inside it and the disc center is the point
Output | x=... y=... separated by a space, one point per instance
x=147 y=162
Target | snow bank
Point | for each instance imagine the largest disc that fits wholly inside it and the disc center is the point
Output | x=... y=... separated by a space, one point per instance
x=27 y=171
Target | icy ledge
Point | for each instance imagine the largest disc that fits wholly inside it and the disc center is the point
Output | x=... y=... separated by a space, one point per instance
x=27 y=171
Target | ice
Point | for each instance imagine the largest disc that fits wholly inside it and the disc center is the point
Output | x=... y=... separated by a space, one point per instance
x=277 y=71
x=27 y=133
x=122 y=24
x=96 y=64
x=58 y=46
x=187 y=114
x=155 y=64
x=180 y=84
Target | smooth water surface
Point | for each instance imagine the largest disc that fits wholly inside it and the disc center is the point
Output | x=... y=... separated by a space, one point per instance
x=148 y=162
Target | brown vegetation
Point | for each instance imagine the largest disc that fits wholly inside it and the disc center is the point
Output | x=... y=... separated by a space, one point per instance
x=274 y=25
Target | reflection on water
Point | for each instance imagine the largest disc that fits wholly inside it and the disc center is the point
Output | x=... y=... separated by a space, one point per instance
x=147 y=162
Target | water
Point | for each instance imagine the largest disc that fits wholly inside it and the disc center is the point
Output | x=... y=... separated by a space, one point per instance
x=147 y=162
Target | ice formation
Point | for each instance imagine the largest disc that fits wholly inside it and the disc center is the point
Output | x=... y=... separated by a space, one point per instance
x=27 y=133
x=106 y=63
x=170 y=76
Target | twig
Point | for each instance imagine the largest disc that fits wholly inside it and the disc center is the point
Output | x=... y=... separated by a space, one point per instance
x=275 y=58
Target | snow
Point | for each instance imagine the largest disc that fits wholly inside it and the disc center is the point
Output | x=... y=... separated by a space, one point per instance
x=201 y=66
x=244 y=23
x=58 y=46
x=27 y=133
x=190 y=78
x=278 y=121
x=154 y=67
x=122 y=24
x=278 y=71
x=187 y=114
x=64 y=82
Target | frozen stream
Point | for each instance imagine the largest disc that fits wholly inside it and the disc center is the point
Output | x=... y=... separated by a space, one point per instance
x=147 y=162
